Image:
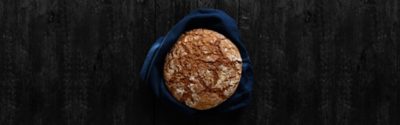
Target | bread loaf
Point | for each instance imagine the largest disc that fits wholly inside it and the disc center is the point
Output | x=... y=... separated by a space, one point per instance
x=202 y=69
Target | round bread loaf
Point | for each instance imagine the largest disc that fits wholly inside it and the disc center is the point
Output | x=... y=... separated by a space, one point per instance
x=202 y=69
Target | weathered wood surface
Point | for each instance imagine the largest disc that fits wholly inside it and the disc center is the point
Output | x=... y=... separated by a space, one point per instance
x=322 y=62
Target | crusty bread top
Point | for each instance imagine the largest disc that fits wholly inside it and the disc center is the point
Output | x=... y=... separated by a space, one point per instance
x=202 y=69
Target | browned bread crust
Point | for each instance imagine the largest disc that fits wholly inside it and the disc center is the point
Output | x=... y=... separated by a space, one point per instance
x=202 y=69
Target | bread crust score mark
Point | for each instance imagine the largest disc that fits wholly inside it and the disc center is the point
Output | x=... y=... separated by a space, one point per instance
x=202 y=69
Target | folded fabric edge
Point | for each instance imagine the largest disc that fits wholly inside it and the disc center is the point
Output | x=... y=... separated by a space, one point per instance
x=144 y=72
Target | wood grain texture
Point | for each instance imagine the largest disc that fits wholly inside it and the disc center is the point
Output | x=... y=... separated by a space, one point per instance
x=320 y=62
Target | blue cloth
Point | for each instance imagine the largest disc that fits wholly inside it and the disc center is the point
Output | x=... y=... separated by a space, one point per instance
x=152 y=70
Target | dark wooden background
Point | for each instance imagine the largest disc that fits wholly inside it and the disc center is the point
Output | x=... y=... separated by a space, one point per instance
x=317 y=62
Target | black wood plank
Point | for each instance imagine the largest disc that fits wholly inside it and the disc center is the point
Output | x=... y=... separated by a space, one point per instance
x=207 y=3
x=8 y=76
x=31 y=69
x=231 y=7
x=120 y=96
x=183 y=7
x=249 y=25
x=54 y=57
x=375 y=76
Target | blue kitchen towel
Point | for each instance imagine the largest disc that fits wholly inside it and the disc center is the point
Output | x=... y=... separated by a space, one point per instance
x=217 y=20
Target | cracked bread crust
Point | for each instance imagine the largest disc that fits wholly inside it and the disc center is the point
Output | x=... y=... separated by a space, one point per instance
x=202 y=69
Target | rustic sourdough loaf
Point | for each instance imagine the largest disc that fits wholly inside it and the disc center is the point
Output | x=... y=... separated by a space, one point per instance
x=202 y=69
